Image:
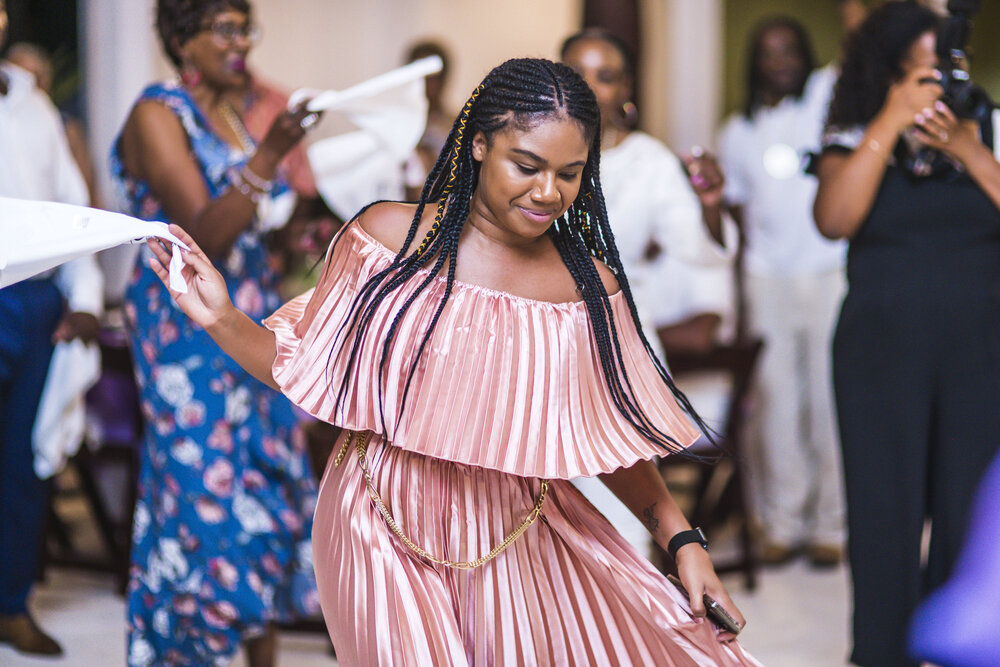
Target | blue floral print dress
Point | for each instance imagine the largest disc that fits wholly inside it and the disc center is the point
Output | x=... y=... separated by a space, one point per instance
x=221 y=535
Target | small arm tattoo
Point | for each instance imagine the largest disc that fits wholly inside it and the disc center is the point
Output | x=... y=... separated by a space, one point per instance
x=649 y=518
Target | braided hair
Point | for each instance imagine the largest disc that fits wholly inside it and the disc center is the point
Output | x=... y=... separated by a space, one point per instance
x=518 y=93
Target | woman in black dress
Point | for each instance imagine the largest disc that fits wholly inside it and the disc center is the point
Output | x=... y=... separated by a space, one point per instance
x=916 y=353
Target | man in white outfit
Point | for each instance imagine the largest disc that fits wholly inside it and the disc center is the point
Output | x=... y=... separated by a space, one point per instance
x=794 y=285
x=35 y=163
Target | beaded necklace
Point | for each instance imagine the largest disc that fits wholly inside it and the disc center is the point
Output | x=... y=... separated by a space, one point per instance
x=235 y=123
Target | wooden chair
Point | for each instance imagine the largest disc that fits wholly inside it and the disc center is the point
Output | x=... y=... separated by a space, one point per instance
x=720 y=493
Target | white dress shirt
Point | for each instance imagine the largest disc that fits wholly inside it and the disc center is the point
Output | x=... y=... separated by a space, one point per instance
x=36 y=163
x=763 y=159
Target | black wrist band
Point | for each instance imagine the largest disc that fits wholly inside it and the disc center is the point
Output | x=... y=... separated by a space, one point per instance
x=686 y=537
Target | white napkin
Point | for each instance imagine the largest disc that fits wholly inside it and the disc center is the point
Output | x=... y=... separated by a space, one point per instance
x=324 y=100
x=36 y=236
x=177 y=282
x=366 y=165
x=59 y=424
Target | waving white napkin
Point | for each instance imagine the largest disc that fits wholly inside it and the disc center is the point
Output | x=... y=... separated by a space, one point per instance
x=365 y=165
x=36 y=236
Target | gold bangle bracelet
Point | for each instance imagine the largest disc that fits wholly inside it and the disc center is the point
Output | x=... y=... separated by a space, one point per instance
x=876 y=147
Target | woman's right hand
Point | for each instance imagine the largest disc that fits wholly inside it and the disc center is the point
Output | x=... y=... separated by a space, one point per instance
x=910 y=96
x=207 y=300
x=287 y=129
x=696 y=572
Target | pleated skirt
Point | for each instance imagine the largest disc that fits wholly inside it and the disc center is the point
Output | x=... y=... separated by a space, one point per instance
x=569 y=591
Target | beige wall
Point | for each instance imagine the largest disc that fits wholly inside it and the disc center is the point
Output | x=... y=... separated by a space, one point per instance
x=682 y=70
x=335 y=43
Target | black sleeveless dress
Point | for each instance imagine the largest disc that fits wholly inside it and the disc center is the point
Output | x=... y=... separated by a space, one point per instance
x=917 y=382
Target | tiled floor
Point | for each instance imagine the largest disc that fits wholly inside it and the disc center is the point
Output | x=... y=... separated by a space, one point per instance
x=797 y=617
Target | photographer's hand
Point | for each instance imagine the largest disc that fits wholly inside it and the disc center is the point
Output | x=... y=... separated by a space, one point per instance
x=848 y=183
x=938 y=127
x=908 y=98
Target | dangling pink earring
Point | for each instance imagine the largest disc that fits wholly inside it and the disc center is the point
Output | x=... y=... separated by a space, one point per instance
x=190 y=76
x=630 y=114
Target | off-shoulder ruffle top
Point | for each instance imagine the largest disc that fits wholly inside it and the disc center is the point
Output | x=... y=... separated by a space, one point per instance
x=505 y=382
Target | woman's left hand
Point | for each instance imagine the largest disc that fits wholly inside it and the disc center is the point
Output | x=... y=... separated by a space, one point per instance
x=694 y=567
x=705 y=175
x=941 y=130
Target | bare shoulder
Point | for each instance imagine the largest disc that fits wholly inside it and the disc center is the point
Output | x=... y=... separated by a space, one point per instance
x=151 y=118
x=153 y=142
x=388 y=222
x=611 y=285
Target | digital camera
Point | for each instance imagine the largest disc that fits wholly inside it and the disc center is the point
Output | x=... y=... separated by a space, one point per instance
x=963 y=97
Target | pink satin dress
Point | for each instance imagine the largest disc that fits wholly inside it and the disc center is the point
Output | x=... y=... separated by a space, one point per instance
x=508 y=393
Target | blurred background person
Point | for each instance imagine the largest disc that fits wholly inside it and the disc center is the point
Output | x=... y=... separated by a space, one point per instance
x=35 y=163
x=669 y=233
x=794 y=280
x=916 y=354
x=226 y=494
x=439 y=120
x=37 y=60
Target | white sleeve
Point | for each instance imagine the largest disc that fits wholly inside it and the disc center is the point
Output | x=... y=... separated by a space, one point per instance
x=996 y=133
x=80 y=281
x=713 y=291
x=737 y=190
x=681 y=290
x=69 y=187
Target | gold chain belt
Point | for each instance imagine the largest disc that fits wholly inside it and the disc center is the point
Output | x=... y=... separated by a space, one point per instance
x=360 y=441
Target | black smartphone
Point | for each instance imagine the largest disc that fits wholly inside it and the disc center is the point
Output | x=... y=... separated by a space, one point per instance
x=715 y=611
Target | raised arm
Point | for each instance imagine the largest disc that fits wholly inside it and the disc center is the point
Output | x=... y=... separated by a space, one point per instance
x=707 y=179
x=643 y=491
x=848 y=183
x=156 y=148
x=207 y=303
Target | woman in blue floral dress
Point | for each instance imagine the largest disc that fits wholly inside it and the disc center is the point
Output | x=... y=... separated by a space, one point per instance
x=226 y=495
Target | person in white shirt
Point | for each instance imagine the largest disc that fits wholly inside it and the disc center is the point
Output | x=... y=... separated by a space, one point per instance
x=668 y=222
x=794 y=285
x=35 y=163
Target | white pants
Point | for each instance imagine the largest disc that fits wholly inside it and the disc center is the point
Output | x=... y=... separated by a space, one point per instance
x=795 y=462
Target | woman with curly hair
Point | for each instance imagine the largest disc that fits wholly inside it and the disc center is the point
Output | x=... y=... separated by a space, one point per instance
x=480 y=348
x=916 y=354
x=226 y=494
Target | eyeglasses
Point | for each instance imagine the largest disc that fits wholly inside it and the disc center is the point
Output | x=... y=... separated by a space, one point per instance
x=226 y=33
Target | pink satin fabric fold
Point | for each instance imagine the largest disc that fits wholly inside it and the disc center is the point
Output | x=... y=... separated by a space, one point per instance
x=569 y=591
x=505 y=383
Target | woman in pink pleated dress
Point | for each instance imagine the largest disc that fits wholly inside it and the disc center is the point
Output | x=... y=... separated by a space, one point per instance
x=479 y=349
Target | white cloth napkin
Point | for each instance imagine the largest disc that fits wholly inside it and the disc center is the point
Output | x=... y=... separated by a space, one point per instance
x=59 y=424
x=36 y=236
x=359 y=167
